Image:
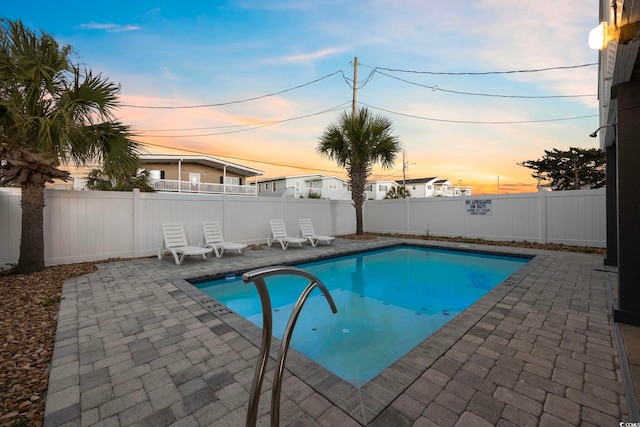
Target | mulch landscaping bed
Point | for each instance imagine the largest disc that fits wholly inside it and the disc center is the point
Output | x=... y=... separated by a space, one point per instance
x=28 y=317
x=532 y=245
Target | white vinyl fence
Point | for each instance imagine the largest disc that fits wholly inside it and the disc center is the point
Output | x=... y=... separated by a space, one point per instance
x=91 y=225
x=566 y=217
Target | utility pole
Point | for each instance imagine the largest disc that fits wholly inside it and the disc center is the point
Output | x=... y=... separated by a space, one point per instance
x=354 y=104
x=404 y=168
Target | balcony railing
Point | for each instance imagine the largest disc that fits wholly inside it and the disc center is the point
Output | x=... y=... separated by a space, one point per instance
x=202 y=187
x=452 y=192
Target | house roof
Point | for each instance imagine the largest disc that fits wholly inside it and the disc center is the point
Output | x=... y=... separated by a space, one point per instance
x=385 y=181
x=201 y=160
x=418 y=180
x=307 y=177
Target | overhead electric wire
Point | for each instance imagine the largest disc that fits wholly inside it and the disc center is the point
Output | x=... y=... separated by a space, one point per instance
x=480 y=122
x=482 y=73
x=361 y=84
x=249 y=127
x=232 y=102
x=243 y=159
x=439 y=89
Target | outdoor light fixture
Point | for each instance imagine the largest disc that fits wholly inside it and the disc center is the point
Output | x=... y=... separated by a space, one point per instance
x=600 y=36
x=595 y=132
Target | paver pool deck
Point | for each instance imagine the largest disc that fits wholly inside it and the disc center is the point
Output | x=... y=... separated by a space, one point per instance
x=138 y=345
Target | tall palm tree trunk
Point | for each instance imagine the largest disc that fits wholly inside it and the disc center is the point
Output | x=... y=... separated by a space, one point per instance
x=359 y=222
x=358 y=182
x=31 y=245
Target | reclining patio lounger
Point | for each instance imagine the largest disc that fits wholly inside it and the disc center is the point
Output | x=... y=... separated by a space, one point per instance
x=175 y=243
x=306 y=230
x=279 y=234
x=214 y=240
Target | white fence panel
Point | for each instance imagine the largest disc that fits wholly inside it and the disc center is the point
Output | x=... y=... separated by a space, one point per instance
x=87 y=225
x=568 y=217
x=10 y=225
x=78 y=226
x=344 y=217
x=246 y=219
x=439 y=216
x=190 y=210
x=385 y=216
x=513 y=217
x=305 y=208
x=577 y=218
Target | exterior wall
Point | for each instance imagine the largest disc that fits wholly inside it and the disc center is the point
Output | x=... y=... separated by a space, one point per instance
x=420 y=190
x=207 y=174
x=300 y=187
x=628 y=150
x=339 y=192
x=281 y=188
x=428 y=189
x=95 y=225
x=378 y=191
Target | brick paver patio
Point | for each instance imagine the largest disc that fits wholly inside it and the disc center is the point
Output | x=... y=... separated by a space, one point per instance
x=139 y=345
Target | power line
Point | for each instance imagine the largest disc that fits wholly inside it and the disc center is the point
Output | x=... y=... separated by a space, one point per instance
x=233 y=102
x=439 y=89
x=361 y=84
x=483 y=73
x=250 y=127
x=243 y=159
x=479 y=122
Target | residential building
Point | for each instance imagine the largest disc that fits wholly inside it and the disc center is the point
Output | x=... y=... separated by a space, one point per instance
x=619 y=105
x=305 y=186
x=199 y=174
x=435 y=187
x=377 y=190
x=418 y=188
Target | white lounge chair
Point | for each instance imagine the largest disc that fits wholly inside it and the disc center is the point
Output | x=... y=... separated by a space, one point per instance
x=214 y=240
x=175 y=243
x=279 y=234
x=307 y=232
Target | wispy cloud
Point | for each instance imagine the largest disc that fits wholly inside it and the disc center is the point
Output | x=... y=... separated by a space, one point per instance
x=305 y=57
x=110 y=28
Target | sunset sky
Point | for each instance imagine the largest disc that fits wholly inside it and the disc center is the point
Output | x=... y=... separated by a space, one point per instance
x=434 y=68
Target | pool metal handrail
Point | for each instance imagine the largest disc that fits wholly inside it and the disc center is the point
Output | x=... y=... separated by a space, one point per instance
x=257 y=277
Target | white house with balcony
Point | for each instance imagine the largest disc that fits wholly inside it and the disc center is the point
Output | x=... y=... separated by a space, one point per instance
x=199 y=174
x=435 y=187
x=377 y=190
x=304 y=186
x=418 y=188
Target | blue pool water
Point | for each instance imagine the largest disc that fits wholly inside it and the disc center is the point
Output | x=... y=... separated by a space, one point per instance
x=388 y=301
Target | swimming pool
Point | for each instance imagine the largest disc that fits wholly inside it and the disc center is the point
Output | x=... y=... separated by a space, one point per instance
x=388 y=301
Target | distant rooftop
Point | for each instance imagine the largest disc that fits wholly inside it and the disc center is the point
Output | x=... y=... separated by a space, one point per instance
x=201 y=160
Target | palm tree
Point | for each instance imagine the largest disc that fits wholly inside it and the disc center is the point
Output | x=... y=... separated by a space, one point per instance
x=356 y=143
x=398 y=193
x=51 y=113
x=100 y=180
